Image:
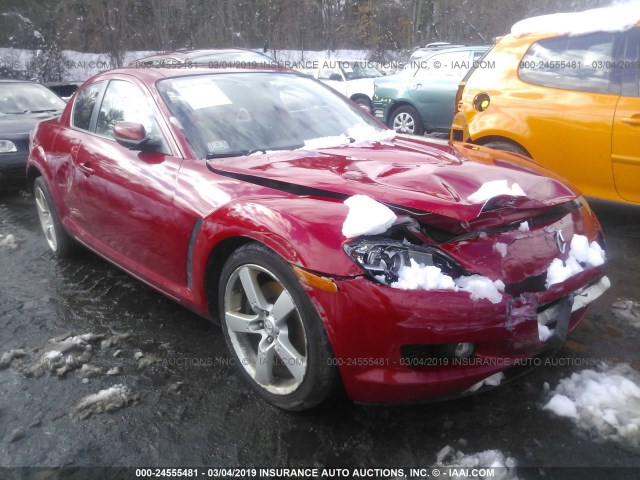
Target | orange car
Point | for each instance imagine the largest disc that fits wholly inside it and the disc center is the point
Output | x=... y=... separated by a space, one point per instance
x=570 y=101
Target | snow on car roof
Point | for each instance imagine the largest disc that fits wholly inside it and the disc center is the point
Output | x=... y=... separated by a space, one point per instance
x=615 y=18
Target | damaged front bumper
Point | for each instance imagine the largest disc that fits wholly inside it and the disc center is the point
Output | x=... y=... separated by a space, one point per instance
x=378 y=323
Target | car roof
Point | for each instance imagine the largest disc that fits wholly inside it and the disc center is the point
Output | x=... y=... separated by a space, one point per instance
x=436 y=51
x=153 y=74
x=189 y=54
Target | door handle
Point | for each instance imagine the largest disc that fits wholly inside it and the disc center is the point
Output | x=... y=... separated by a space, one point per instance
x=633 y=121
x=86 y=169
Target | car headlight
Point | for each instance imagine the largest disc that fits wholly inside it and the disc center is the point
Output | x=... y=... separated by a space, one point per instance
x=382 y=258
x=7 y=146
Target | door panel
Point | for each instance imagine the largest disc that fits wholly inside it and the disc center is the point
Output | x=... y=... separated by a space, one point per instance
x=625 y=154
x=124 y=199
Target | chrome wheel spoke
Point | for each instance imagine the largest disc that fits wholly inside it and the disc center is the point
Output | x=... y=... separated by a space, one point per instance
x=248 y=278
x=242 y=323
x=282 y=308
x=264 y=363
x=292 y=359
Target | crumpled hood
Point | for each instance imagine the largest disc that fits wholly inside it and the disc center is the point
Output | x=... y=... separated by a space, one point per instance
x=406 y=173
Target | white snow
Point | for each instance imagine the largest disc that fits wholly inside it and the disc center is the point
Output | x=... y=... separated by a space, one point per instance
x=582 y=254
x=110 y=399
x=524 y=227
x=501 y=248
x=359 y=135
x=616 y=18
x=52 y=355
x=366 y=217
x=562 y=406
x=421 y=277
x=495 y=188
x=628 y=311
x=544 y=332
x=8 y=241
x=505 y=467
x=605 y=403
x=493 y=381
x=429 y=277
x=481 y=287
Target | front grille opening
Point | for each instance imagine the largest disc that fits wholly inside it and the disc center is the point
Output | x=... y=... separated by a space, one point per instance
x=428 y=355
x=531 y=285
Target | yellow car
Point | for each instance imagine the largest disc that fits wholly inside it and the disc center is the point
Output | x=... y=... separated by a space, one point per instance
x=570 y=100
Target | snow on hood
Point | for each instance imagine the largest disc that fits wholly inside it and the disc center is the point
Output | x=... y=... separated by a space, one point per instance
x=402 y=172
x=493 y=189
x=616 y=18
x=604 y=403
x=366 y=217
x=582 y=254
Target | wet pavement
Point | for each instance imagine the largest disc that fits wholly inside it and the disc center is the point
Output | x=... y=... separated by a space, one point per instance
x=179 y=401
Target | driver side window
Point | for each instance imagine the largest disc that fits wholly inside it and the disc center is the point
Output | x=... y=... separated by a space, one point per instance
x=124 y=102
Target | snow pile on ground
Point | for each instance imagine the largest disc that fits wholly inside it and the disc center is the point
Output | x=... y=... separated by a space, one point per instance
x=505 y=467
x=616 y=18
x=605 y=404
x=582 y=254
x=495 y=188
x=421 y=277
x=628 y=311
x=366 y=217
x=429 y=277
x=109 y=400
x=481 y=287
x=8 y=241
x=8 y=357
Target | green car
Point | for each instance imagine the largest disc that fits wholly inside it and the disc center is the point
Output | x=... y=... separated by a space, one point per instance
x=420 y=98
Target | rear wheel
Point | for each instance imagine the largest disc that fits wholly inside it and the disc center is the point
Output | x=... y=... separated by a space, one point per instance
x=59 y=241
x=407 y=120
x=274 y=331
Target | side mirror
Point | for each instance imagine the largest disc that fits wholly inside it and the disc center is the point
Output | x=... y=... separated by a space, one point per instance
x=134 y=137
x=336 y=77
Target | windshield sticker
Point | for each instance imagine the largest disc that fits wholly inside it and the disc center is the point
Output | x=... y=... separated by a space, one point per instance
x=201 y=93
x=217 y=146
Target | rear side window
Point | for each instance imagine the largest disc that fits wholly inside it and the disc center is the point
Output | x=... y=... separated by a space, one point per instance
x=84 y=104
x=582 y=63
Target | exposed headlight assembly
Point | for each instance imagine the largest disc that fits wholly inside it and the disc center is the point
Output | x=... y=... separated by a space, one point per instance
x=382 y=258
x=7 y=146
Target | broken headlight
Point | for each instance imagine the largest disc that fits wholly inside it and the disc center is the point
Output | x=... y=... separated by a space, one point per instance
x=382 y=259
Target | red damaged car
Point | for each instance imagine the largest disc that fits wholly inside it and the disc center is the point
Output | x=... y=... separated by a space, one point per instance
x=329 y=248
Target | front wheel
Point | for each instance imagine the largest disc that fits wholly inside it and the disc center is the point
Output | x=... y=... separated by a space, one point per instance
x=274 y=331
x=59 y=241
x=407 y=120
x=507 y=147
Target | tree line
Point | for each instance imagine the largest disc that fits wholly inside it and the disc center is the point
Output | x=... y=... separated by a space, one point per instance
x=113 y=27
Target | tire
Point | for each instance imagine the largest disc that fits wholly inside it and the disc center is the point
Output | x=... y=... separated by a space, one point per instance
x=364 y=102
x=507 y=147
x=59 y=241
x=285 y=356
x=407 y=120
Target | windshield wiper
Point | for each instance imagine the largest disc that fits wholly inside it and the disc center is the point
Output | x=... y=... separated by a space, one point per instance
x=44 y=110
x=244 y=153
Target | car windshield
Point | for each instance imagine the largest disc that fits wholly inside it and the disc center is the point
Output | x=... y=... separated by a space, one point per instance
x=242 y=113
x=355 y=70
x=17 y=98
